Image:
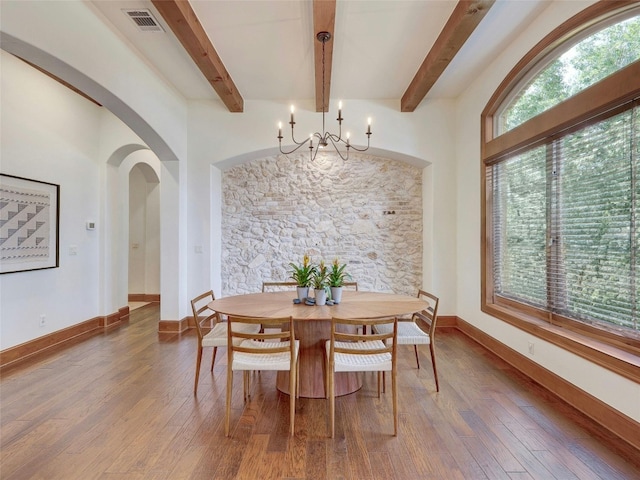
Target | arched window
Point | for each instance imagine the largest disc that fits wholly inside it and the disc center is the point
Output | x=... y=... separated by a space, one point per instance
x=561 y=191
x=589 y=57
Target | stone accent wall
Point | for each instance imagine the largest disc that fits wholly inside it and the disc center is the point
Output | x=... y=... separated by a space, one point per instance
x=366 y=211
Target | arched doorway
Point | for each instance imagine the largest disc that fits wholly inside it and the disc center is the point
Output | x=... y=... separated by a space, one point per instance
x=144 y=236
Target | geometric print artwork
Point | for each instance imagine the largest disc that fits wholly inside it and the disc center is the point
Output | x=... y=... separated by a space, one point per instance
x=24 y=224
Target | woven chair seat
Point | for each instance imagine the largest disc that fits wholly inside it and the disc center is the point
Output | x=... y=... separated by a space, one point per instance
x=408 y=333
x=345 y=362
x=267 y=361
x=217 y=337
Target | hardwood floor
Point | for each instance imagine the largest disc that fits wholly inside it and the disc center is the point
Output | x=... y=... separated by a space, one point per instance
x=120 y=405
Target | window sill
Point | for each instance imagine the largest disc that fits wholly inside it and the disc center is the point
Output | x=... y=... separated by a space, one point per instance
x=612 y=358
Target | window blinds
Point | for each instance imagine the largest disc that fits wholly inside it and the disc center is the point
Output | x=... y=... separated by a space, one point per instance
x=565 y=234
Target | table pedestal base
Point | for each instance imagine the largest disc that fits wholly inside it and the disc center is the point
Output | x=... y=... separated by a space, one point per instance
x=312 y=335
x=346 y=383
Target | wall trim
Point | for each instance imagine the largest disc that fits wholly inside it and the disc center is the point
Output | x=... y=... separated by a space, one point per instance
x=616 y=422
x=173 y=326
x=59 y=338
x=144 y=297
x=447 y=321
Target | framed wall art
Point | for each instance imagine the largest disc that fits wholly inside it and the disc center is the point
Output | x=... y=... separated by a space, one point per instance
x=29 y=224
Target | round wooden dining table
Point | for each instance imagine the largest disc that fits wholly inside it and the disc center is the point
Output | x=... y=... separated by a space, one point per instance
x=312 y=326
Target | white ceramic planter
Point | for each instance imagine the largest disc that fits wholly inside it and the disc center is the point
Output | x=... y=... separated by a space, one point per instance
x=303 y=292
x=336 y=294
x=321 y=296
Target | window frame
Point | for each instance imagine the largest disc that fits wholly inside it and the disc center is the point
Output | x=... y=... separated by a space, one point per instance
x=550 y=55
x=602 y=346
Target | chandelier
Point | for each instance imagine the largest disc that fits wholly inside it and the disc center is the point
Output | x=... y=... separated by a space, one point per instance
x=323 y=139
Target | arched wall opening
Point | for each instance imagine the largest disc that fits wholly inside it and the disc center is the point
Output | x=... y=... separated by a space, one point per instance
x=149 y=107
x=144 y=234
x=117 y=213
x=371 y=212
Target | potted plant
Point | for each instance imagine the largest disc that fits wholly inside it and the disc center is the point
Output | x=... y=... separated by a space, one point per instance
x=336 y=278
x=302 y=275
x=319 y=282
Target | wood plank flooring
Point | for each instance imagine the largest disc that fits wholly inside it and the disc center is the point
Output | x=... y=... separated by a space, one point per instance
x=120 y=405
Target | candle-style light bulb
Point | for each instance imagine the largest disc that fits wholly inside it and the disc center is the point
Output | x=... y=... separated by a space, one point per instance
x=292 y=109
x=369 y=125
x=279 y=129
x=311 y=140
x=348 y=136
x=340 y=108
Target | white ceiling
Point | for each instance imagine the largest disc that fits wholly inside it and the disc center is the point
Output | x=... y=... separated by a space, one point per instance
x=267 y=45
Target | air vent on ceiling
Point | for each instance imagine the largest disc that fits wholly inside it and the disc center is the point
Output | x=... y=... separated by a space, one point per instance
x=144 y=20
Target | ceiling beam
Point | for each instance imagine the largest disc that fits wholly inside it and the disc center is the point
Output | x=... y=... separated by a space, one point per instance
x=187 y=28
x=465 y=18
x=324 y=19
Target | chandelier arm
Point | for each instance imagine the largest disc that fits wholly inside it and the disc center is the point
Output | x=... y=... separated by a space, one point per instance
x=360 y=149
x=294 y=149
x=295 y=141
x=314 y=152
x=335 y=138
x=333 y=142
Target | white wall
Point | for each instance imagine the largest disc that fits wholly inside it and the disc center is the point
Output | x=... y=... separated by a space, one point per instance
x=611 y=388
x=51 y=134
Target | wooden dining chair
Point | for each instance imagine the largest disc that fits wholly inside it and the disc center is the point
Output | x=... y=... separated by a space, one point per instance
x=250 y=350
x=350 y=351
x=207 y=319
x=278 y=286
x=420 y=330
x=350 y=285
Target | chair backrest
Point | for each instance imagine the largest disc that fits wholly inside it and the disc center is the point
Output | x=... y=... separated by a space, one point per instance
x=278 y=286
x=200 y=305
x=350 y=285
x=236 y=334
x=346 y=330
x=430 y=314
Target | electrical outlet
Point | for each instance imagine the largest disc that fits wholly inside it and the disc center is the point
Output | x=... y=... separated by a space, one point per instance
x=531 y=348
x=43 y=320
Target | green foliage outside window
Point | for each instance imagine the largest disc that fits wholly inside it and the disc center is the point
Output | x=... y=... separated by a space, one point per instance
x=567 y=224
x=566 y=216
x=587 y=62
x=520 y=213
